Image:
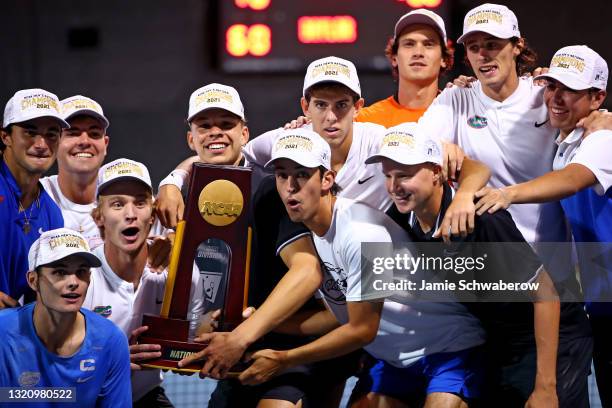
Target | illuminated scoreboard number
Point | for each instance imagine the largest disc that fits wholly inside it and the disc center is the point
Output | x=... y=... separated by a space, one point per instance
x=284 y=36
x=255 y=40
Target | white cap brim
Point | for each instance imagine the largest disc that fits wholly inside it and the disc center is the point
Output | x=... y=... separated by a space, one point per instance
x=88 y=112
x=418 y=19
x=217 y=106
x=305 y=160
x=568 y=80
x=333 y=81
x=63 y=123
x=494 y=33
x=121 y=178
x=405 y=159
x=91 y=259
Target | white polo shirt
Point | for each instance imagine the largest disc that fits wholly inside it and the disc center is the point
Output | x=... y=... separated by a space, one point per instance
x=113 y=298
x=76 y=216
x=593 y=152
x=513 y=138
x=408 y=331
x=358 y=181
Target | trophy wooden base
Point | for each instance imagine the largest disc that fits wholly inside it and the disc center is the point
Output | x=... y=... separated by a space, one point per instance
x=172 y=335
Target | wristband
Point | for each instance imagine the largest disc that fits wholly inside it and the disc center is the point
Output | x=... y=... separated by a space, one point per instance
x=177 y=178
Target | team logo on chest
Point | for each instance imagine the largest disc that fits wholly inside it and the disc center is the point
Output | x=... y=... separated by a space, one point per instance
x=477 y=122
x=104 y=311
x=29 y=378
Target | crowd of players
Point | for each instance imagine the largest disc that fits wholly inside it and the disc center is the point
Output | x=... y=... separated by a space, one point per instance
x=85 y=248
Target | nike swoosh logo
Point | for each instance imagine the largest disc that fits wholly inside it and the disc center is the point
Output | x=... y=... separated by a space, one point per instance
x=540 y=124
x=364 y=180
x=159 y=302
x=82 y=380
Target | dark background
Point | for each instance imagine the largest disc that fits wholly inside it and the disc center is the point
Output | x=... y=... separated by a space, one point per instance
x=142 y=59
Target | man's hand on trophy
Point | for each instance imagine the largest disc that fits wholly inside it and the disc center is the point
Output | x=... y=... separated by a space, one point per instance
x=160 y=249
x=169 y=205
x=266 y=364
x=223 y=350
x=141 y=352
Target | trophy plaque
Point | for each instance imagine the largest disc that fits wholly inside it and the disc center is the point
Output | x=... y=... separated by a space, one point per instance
x=216 y=212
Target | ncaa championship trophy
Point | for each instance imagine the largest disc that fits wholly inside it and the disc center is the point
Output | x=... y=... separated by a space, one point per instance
x=217 y=209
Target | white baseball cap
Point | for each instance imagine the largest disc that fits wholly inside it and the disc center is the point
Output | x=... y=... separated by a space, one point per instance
x=578 y=67
x=402 y=145
x=82 y=105
x=215 y=96
x=120 y=170
x=420 y=16
x=58 y=244
x=332 y=69
x=494 y=19
x=29 y=104
x=303 y=146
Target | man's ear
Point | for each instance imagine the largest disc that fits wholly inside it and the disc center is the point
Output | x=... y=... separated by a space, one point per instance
x=190 y=141
x=358 y=105
x=518 y=47
x=106 y=140
x=32 y=278
x=96 y=214
x=597 y=99
x=437 y=174
x=327 y=181
x=6 y=138
x=443 y=62
x=304 y=105
x=245 y=135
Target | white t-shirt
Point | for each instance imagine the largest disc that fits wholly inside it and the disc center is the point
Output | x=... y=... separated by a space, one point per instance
x=112 y=297
x=593 y=152
x=408 y=330
x=515 y=140
x=76 y=216
x=358 y=181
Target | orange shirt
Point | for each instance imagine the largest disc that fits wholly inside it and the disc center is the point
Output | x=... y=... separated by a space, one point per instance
x=388 y=112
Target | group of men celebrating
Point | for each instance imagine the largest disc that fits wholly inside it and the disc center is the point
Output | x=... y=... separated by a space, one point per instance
x=351 y=176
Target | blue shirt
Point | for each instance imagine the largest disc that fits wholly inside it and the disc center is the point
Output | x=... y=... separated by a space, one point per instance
x=590 y=216
x=43 y=215
x=99 y=371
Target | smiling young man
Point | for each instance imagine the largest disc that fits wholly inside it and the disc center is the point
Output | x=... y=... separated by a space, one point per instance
x=81 y=151
x=53 y=342
x=30 y=133
x=438 y=362
x=419 y=54
x=581 y=180
x=124 y=288
x=217 y=132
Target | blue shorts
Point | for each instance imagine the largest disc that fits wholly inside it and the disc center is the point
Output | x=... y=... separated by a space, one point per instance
x=461 y=373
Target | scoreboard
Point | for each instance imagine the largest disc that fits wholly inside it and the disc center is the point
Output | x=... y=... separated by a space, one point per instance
x=286 y=35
